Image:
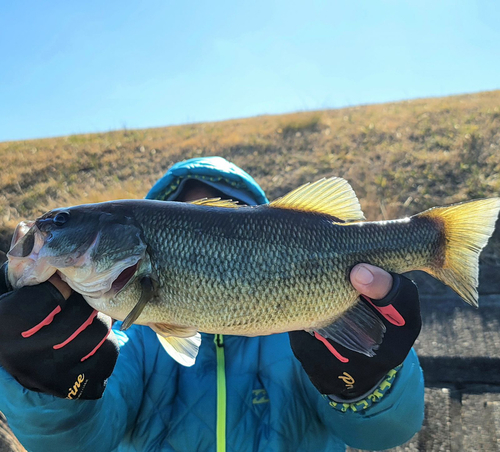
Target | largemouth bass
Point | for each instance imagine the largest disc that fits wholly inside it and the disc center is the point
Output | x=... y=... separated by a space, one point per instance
x=216 y=267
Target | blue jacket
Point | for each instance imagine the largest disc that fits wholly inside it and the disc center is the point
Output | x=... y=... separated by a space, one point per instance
x=152 y=403
x=249 y=394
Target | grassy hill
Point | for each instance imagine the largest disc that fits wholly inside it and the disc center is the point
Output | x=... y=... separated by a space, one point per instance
x=400 y=158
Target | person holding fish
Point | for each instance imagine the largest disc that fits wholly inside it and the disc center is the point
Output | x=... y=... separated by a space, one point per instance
x=263 y=379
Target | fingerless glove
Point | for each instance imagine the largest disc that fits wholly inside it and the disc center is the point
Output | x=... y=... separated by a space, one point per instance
x=52 y=345
x=360 y=374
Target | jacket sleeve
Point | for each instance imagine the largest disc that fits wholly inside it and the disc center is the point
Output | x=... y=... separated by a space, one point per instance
x=389 y=422
x=46 y=423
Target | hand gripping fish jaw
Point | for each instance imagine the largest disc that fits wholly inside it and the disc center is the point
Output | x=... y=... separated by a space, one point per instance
x=90 y=259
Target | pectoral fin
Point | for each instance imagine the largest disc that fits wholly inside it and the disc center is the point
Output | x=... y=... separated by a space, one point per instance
x=148 y=291
x=182 y=344
x=359 y=330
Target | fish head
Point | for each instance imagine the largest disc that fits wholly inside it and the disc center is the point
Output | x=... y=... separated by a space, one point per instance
x=95 y=249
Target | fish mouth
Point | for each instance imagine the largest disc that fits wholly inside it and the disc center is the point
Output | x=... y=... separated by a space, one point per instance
x=27 y=241
x=25 y=265
x=124 y=278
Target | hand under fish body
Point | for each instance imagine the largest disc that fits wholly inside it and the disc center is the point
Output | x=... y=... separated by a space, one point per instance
x=217 y=267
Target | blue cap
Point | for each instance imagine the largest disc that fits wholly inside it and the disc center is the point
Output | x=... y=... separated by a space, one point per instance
x=214 y=171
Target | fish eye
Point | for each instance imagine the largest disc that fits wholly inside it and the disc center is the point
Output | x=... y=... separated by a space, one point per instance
x=61 y=218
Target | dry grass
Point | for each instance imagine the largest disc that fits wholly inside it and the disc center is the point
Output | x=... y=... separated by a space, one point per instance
x=400 y=158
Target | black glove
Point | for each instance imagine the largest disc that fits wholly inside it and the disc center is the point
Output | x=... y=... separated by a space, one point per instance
x=52 y=345
x=355 y=378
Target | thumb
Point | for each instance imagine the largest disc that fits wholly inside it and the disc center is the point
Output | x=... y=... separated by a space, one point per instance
x=371 y=281
x=61 y=286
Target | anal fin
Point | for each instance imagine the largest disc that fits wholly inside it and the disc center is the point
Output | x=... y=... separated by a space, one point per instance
x=359 y=330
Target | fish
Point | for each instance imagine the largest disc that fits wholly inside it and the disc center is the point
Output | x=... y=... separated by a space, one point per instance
x=216 y=266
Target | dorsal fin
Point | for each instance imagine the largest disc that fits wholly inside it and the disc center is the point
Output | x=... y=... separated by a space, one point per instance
x=216 y=202
x=333 y=196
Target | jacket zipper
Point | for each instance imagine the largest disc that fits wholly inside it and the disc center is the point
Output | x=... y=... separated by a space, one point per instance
x=221 y=393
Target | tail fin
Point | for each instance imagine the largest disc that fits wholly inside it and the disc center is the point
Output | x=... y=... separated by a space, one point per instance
x=467 y=228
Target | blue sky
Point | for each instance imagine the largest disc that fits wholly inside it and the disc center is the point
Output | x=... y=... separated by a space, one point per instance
x=75 y=67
